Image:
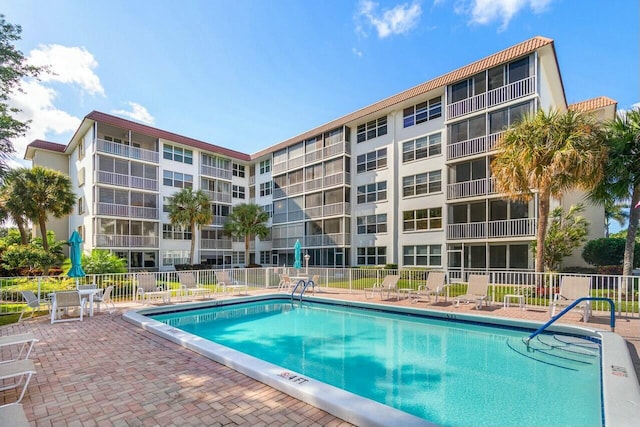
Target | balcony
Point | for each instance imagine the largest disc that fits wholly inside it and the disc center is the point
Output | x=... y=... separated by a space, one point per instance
x=121 y=180
x=215 y=172
x=477 y=187
x=217 y=196
x=473 y=146
x=125 y=241
x=341 y=178
x=127 y=211
x=497 y=96
x=508 y=228
x=219 y=220
x=118 y=149
x=333 y=209
x=311 y=157
x=215 y=244
x=337 y=239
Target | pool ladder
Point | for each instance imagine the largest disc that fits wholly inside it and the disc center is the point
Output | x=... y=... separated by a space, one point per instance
x=305 y=285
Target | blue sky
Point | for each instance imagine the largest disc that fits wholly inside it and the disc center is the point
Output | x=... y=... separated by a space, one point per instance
x=247 y=74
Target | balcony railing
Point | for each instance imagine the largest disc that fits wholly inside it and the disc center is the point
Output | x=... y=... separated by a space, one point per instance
x=477 y=187
x=316 y=184
x=118 y=149
x=497 y=96
x=508 y=228
x=215 y=172
x=311 y=157
x=125 y=241
x=338 y=239
x=112 y=209
x=217 y=196
x=473 y=146
x=121 y=180
x=313 y=212
x=215 y=244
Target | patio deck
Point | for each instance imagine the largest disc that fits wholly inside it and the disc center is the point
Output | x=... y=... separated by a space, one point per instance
x=105 y=372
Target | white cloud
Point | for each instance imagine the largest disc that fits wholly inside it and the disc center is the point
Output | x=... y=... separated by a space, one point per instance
x=483 y=12
x=71 y=65
x=398 y=20
x=357 y=52
x=138 y=113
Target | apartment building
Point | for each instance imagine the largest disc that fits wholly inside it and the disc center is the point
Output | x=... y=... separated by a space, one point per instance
x=404 y=181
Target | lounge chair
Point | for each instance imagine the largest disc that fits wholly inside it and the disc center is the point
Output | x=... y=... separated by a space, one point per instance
x=434 y=286
x=388 y=285
x=32 y=302
x=225 y=280
x=148 y=289
x=285 y=282
x=18 y=370
x=572 y=288
x=62 y=302
x=25 y=341
x=190 y=286
x=13 y=415
x=477 y=291
x=105 y=297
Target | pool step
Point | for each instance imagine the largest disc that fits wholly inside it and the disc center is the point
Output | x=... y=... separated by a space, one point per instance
x=558 y=350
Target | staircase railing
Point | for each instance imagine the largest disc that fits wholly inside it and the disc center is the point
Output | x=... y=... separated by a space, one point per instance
x=612 y=321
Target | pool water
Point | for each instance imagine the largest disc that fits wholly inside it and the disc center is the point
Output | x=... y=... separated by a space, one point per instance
x=449 y=373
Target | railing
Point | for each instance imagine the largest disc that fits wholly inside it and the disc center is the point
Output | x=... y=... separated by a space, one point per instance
x=476 y=187
x=111 y=209
x=118 y=149
x=494 y=229
x=473 y=146
x=466 y=106
x=217 y=196
x=215 y=172
x=311 y=157
x=120 y=241
x=121 y=180
x=537 y=289
x=215 y=244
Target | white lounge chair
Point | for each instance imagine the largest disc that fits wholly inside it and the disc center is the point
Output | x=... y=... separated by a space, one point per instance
x=105 y=298
x=148 y=289
x=62 y=302
x=388 y=285
x=285 y=282
x=13 y=415
x=25 y=341
x=434 y=286
x=32 y=302
x=190 y=286
x=20 y=371
x=477 y=291
x=572 y=288
x=225 y=280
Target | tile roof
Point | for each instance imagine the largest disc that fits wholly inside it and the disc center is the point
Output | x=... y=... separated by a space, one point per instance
x=592 y=104
x=47 y=145
x=490 y=61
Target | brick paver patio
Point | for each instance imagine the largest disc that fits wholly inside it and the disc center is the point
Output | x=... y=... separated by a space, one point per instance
x=105 y=372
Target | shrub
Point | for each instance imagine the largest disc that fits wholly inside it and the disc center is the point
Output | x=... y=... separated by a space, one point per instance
x=101 y=262
x=608 y=252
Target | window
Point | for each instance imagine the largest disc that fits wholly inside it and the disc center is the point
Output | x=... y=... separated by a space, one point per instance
x=372 y=129
x=81 y=232
x=176 y=232
x=166 y=201
x=423 y=183
x=372 y=255
x=422 y=148
x=170 y=258
x=502 y=119
x=265 y=166
x=372 y=224
x=422 y=112
x=265 y=257
x=375 y=192
x=237 y=192
x=266 y=188
x=422 y=255
x=81 y=177
x=422 y=219
x=80 y=205
x=238 y=170
x=177 y=179
x=372 y=160
x=268 y=209
x=177 y=154
x=81 y=150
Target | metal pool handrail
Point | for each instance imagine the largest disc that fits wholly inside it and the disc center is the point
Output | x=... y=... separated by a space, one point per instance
x=612 y=321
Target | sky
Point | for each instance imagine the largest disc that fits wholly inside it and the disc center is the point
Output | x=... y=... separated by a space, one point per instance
x=247 y=74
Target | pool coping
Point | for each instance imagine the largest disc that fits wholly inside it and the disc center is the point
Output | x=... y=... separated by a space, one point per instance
x=621 y=391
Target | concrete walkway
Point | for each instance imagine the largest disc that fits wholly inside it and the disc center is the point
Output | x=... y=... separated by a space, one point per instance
x=105 y=372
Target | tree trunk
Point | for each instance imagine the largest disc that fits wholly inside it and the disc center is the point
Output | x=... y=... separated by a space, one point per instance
x=629 y=246
x=24 y=237
x=543 y=219
x=43 y=230
x=193 y=243
x=246 y=250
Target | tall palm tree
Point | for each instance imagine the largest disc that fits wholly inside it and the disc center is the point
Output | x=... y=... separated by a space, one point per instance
x=189 y=208
x=622 y=174
x=550 y=153
x=247 y=220
x=47 y=192
x=12 y=194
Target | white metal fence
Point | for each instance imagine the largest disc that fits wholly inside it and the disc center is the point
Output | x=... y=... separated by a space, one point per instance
x=536 y=289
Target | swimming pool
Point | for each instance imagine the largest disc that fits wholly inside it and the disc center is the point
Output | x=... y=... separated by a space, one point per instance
x=433 y=370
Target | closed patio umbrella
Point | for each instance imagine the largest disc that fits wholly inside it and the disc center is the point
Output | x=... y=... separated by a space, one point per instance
x=75 y=254
x=298 y=255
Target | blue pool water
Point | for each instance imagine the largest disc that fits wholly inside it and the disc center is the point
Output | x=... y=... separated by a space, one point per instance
x=449 y=373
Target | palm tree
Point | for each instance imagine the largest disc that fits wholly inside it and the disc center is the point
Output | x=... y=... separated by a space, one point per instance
x=247 y=220
x=551 y=153
x=622 y=175
x=12 y=195
x=189 y=208
x=46 y=192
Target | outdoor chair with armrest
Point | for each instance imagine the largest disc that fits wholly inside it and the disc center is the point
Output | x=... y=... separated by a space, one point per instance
x=63 y=301
x=105 y=297
x=32 y=302
x=388 y=285
x=571 y=289
x=435 y=286
x=477 y=290
x=148 y=288
x=189 y=284
x=225 y=280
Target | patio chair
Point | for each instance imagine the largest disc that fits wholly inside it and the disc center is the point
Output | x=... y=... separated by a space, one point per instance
x=225 y=280
x=32 y=302
x=105 y=297
x=572 y=288
x=388 y=285
x=13 y=374
x=13 y=415
x=190 y=286
x=62 y=302
x=435 y=286
x=477 y=290
x=25 y=341
x=148 y=289
x=285 y=282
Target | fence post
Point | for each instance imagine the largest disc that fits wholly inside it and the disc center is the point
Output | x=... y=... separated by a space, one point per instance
x=350 y=281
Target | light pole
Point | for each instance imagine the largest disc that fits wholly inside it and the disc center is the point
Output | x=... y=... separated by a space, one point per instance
x=306 y=262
